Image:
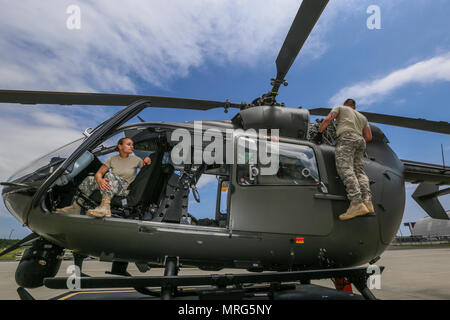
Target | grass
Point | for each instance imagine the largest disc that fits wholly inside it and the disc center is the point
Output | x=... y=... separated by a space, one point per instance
x=4 y=244
x=12 y=254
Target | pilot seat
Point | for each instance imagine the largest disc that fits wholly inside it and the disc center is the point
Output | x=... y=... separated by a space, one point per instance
x=144 y=191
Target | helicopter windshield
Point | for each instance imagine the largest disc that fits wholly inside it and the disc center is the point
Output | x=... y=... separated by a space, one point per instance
x=41 y=168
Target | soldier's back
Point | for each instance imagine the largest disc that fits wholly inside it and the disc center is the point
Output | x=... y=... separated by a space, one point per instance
x=350 y=120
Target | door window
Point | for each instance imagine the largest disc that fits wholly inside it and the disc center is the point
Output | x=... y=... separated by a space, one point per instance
x=296 y=165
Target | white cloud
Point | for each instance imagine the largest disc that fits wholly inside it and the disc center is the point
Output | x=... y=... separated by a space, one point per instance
x=207 y=180
x=153 y=40
x=423 y=72
x=123 y=46
x=49 y=119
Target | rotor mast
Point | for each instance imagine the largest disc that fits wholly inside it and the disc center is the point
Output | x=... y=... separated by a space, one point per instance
x=305 y=20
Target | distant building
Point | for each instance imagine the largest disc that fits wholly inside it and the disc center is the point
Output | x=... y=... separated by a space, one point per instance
x=429 y=227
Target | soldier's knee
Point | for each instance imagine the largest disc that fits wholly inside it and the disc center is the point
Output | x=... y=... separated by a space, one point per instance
x=88 y=180
x=108 y=193
x=345 y=172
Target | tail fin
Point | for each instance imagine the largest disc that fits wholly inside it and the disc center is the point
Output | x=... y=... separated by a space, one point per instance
x=426 y=195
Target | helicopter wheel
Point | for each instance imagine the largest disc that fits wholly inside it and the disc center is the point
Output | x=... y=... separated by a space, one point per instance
x=42 y=260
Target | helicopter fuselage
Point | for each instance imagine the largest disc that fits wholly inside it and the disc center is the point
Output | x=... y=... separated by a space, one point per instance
x=267 y=226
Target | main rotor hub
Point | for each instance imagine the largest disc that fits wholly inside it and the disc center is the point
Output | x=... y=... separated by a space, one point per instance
x=276 y=82
x=269 y=99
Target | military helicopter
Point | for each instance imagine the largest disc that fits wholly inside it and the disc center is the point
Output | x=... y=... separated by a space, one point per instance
x=285 y=223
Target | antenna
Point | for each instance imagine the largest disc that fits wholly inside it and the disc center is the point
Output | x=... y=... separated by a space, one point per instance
x=443 y=160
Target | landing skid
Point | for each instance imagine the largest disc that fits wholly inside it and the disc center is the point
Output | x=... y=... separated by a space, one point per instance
x=267 y=285
x=255 y=293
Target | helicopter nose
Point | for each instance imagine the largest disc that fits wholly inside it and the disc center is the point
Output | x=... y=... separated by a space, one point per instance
x=17 y=200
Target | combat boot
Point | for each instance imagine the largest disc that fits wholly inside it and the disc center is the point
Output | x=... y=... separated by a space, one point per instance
x=74 y=208
x=103 y=210
x=355 y=210
x=369 y=205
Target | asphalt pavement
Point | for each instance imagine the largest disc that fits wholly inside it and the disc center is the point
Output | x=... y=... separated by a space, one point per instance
x=409 y=274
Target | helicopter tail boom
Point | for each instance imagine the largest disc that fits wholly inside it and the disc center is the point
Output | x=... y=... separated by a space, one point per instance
x=430 y=176
x=419 y=172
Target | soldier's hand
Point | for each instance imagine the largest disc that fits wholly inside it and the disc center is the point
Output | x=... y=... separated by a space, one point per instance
x=103 y=184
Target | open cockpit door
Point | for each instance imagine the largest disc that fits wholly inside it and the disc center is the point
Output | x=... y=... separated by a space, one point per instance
x=103 y=130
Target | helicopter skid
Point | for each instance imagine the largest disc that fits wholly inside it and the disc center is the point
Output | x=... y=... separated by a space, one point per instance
x=267 y=285
x=295 y=292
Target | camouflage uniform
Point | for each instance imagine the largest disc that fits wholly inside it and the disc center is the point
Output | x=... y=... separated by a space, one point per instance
x=118 y=185
x=350 y=151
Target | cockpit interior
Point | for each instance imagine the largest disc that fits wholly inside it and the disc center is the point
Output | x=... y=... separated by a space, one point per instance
x=161 y=191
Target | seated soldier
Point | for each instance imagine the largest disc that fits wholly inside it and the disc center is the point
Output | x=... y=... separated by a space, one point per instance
x=123 y=172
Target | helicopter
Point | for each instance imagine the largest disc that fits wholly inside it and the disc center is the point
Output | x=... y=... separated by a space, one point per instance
x=285 y=223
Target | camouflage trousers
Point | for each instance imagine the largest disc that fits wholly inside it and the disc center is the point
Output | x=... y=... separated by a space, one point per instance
x=350 y=149
x=118 y=185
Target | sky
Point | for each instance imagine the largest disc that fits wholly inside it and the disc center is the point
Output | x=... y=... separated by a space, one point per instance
x=217 y=50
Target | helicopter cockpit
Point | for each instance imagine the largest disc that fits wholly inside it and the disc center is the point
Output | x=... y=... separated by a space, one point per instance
x=161 y=192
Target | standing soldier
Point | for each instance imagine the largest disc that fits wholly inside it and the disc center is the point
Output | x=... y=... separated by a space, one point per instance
x=353 y=132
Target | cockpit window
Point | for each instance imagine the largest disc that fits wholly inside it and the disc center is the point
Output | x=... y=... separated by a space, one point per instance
x=296 y=165
x=41 y=168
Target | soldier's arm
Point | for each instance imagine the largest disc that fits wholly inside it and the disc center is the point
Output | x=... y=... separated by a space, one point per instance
x=367 y=134
x=326 y=122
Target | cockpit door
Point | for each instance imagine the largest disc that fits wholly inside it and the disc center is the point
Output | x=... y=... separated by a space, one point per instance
x=104 y=129
x=283 y=202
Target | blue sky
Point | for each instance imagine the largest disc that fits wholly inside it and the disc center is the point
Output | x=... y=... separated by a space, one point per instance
x=217 y=50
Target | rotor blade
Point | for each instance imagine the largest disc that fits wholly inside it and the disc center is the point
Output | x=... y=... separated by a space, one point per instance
x=412 y=123
x=28 y=238
x=306 y=18
x=106 y=99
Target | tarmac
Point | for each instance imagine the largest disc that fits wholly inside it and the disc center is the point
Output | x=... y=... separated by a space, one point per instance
x=409 y=274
